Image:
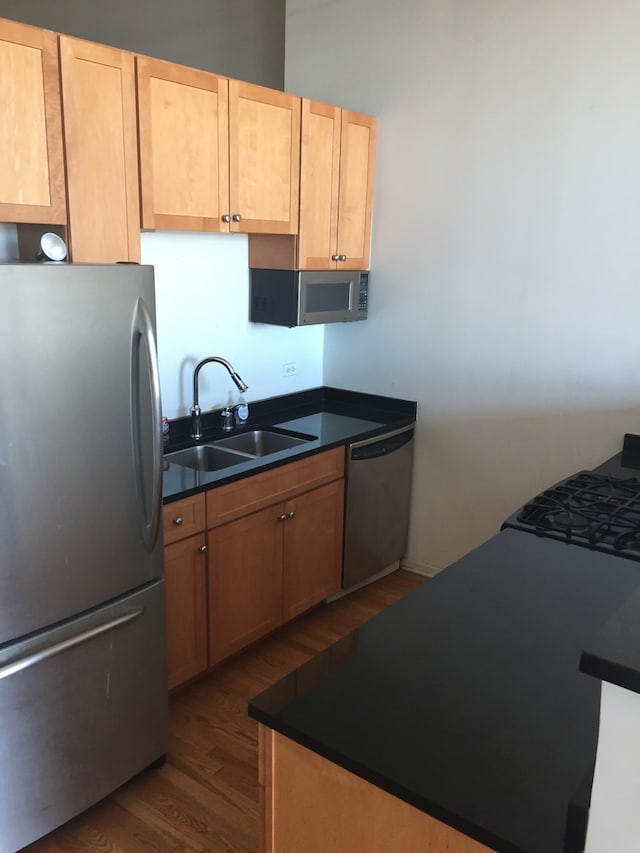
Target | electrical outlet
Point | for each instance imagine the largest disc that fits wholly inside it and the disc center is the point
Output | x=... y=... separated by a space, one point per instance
x=289 y=369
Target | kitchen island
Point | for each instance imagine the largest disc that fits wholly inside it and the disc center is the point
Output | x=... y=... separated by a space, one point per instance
x=464 y=701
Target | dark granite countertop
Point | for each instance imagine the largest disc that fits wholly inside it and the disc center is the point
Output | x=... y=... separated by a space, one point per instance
x=332 y=416
x=465 y=698
x=613 y=655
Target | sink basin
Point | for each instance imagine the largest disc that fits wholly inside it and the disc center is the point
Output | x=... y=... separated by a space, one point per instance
x=205 y=457
x=262 y=442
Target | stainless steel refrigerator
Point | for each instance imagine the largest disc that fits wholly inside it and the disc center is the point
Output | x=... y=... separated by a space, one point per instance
x=83 y=684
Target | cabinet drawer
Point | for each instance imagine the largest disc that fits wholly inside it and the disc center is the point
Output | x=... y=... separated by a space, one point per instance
x=183 y=518
x=253 y=493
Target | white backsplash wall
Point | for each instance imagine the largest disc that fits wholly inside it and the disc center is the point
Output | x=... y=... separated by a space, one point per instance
x=202 y=298
x=8 y=242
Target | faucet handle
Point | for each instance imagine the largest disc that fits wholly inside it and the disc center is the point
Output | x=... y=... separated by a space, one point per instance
x=227 y=419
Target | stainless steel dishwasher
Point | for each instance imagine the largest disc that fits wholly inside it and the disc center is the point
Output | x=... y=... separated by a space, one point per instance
x=377 y=504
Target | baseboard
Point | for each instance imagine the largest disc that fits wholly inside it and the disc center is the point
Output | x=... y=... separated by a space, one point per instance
x=419 y=568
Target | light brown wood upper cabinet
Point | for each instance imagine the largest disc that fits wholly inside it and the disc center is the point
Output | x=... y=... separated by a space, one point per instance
x=336 y=187
x=264 y=159
x=336 y=190
x=101 y=150
x=216 y=154
x=32 y=178
x=184 y=146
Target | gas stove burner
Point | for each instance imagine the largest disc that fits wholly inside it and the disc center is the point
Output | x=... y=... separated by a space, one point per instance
x=568 y=522
x=592 y=510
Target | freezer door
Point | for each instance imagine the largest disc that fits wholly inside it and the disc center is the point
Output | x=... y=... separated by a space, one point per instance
x=83 y=709
x=80 y=440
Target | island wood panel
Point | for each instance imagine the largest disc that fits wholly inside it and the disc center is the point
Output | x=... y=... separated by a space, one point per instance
x=312 y=548
x=184 y=146
x=241 y=497
x=319 y=184
x=101 y=150
x=185 y=572
x=311 y=804
x=245 y=581
x=264 y=159
x=206 y=794
x=183 y=518
x=32 y=185
x=357 y=158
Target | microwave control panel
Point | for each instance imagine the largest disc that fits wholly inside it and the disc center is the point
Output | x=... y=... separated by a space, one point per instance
x=363 y=296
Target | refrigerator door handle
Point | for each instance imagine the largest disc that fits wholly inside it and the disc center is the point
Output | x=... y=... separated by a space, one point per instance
x=142 y=334
x=34 y=658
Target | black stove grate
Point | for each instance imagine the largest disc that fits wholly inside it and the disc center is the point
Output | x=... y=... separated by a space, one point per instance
x=592 y=510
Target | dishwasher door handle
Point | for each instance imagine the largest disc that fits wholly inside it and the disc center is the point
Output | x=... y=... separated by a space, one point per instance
x=381 y=445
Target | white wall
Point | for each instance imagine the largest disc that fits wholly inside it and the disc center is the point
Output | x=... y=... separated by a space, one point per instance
x=8 y=242
x=505 y=284
x=202 y=300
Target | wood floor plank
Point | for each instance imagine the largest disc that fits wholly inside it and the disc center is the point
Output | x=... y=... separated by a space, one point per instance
x=205 y=797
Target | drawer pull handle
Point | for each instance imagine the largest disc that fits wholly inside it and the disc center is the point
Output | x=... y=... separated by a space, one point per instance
x=178 y=521
x=202 y=549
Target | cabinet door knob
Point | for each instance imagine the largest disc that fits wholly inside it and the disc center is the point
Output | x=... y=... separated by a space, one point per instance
x=236 y=217
x=178 y=521
x=342 y=258
x=226 y=218
x=335 y=257
x=202 y=549
x=291 y=514
x=282 y=517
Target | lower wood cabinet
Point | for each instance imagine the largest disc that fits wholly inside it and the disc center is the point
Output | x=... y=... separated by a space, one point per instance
x=272 y=550
x=270 y=566
x=312 y=560
x=185 y=570
x=245 y=590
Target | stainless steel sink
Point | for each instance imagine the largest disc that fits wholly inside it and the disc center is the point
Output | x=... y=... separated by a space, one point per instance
x=262 y=442
x=206 y=457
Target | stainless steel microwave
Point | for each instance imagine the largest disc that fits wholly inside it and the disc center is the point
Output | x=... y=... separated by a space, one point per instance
x=304 y=298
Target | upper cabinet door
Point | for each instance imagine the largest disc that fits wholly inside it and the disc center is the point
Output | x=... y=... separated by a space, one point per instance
x=98 y=102
x=32 y=178
x=319 y=181
x=357 y=156
x=264 y=159
x=336 y=190
x=184 y=147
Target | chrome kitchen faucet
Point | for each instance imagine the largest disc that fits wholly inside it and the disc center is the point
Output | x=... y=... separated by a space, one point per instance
x=227 y=416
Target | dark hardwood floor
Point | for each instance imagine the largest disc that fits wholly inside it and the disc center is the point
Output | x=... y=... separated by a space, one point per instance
x=205 y=797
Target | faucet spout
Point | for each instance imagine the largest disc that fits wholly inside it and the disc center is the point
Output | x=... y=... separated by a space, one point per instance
x=196 y=412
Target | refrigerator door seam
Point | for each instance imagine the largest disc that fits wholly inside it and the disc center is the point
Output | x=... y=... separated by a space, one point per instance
x=29 y=660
